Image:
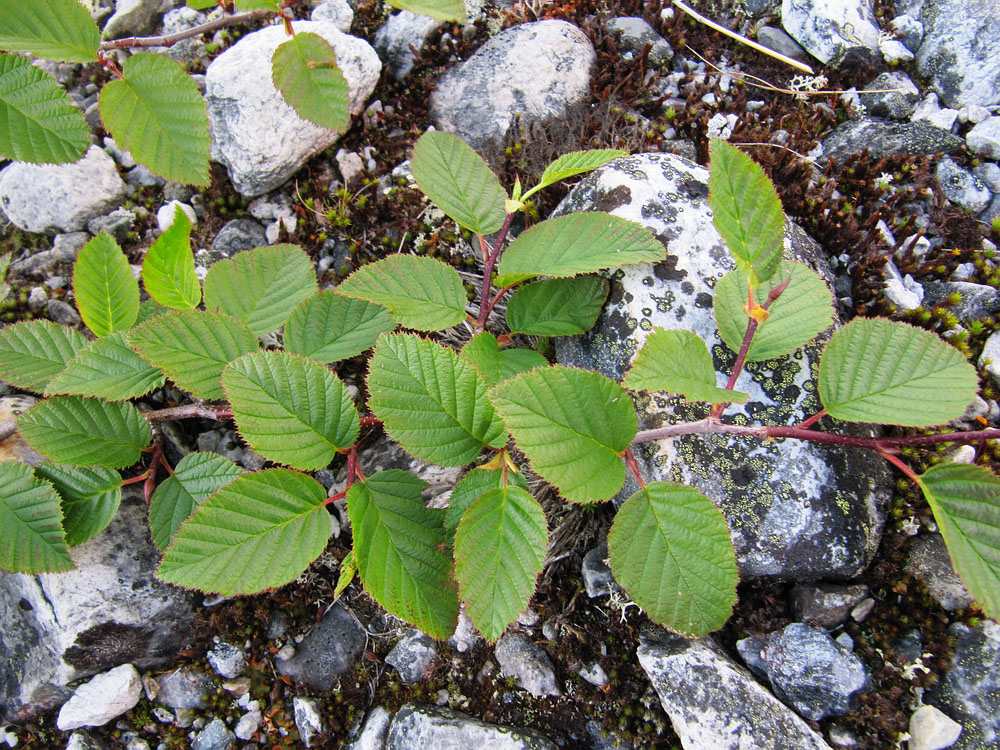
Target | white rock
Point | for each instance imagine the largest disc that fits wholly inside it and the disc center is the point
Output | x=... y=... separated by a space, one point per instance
x=338 y=12
x=904 y=293
x=932 y=112
x=247 y=725
x=101 y=699
x=894 y=51
x=168 y=212
x=829 y=28
x=985 y=138
x=990 y=358
x=308 y=719
x=932 y=729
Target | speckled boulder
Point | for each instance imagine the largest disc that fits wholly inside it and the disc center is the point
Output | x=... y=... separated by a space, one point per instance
x=829 y=29
x=416 y=727
x=796 y=510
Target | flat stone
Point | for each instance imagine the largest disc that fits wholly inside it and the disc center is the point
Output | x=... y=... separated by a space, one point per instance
x=308 y=720
x=236 y=236
x=930 y=562
x=830 y=29
x=215 y=736
x=83 y=741
x=962 y=187
x=884 y=138
x=102 y=698
x=328 y=650
x=528 y=663
x=825 y=605
x=780 y=41
x=984 y=138
x=976 y=301
x=375 y=730
x=893 y=95
x=132 y=17
x=184 y=688
x=412 y=655
x=990 y=358
x=416 y=727
x=636 y=33
x=932 y=729
x=40 y=266
x=930 y=111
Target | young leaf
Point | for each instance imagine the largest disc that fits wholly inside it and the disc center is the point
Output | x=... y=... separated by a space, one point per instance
x=195 y=477
x=496 y=364
x=678 y=362
x=557 y=307
x=192 y=347
x=965 y=499
x=669 y=547
x=290 y=409
x=421 y=293
x=397 y=548
x=31 y=532
x=261 y=287
x=39 y=122
x=107 y=294
x=202 y=4
x=511 y=279
x=500 y=548
x=256 y=533
x=573 y=425
x=258 y=4
x=304 y=69
x=579 y=243
x=58 y=30
x=90 y=497
x=33 y=352
x=157 y=113
x=330 y=327
x=431 y=401
x=458 y=180
x=85 y=431
x=574 y=163
x=471 y=487
x=442 y=10
x=168 y=268
x=803 y=311
x=746 y=211
x=881 y=371
x=106 y=368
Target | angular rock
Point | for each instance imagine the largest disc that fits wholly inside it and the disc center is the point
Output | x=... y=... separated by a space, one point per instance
x=780 y=41
x=636 y=33
x=178 y=20
x=528 y=664
x=39 y=266
x=412 y=655
x=83 y=741
x=535 y=71
x=893 y=95
x=929 y=561
x=932 y=729
x=183 y=689
x=338 y=12
x=418 y=726
x=796 y=510
x=308 y=720
x=101 y=699
x=60 y=197
x=985 y=138
x=397 y=35
x=236 y=236
x=962 y=187
x=825 y=605
x=909 y=30
x=60 y=627
x=829 y=29
x=990 y=358
x=133 y=17
x=976 y=301
x=227 y=660
x=243 y=106
x=714 y=704
x=375 y=730
x=598 y=580
x=327 y=651
x=884 y=138
x=930 y=111
x=215 y=736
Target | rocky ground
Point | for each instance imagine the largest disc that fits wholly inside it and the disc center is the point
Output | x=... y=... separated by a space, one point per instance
x=852 y=630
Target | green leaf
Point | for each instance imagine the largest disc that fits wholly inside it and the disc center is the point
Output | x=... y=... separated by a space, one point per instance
x=157 y=113
x=496 y=364
x=431 y=401
x=195 y=477
x=149 y=310
x=678 y=362
x=458 y=180
x=290 y=409
x=256 y=533
x=348 y=570
x=746 y=211
x=443 y=10
x=304 y=69
x=58 y=30
x=802 y=312
x=557 y=307
x=107 y=294
x=106 y=368
x=574 y=163
x=669 y=546
x=192 y=347
x=35 y=351
x=261 y=287
x=886 y=372
x=85 y=431
x=500 y=548
x=502 y=281
x=965 y=499
x=168 y=268
x=397 y=547
x=258 y=4
x=202 y=4
x=579 y=243
x=421 y=293
x=573 y=425
x=90 y=497
x=31 y=532
x=38 y=122
x=330 y=327
x=471 y=487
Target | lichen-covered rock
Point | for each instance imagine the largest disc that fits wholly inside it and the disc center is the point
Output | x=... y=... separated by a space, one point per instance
x=396 y=39
x=796 y=510
x=885 y=138
x=255 y=133
x=636 y=33
x=984 y=138
x=930 y=562
x=962 y=187
x=416 y=727
x=829 y=29
x=891 y=94
x=329 y=650
x=412 y=655
x=714 y=704
x=528 y=663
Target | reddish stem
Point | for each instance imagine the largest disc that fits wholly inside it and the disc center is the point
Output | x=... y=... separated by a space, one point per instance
x=489 y=260
x=900 y=465
x=633 y=466
x=371 y=422
x=812 y=420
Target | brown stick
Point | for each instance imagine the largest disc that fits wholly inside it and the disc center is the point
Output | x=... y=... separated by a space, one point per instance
x=167 y=40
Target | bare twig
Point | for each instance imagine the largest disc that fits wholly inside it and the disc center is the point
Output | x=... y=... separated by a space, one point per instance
x=167 y=40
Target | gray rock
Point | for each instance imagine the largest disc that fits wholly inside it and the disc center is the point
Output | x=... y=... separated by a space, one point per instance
x=236 y=236
x=535 y=71
x=989 y=173
x=976 y=301
x=796 y=510
x=62 y=312
x=528 y=663
x=117 y=223
x=184 y=689
x=884 y=138
x=970 y=692
x=714 y=704
x=961 y=50
x=829 y=29
x=825 y=605
x=598 y=579
x=412 y=655
x=931 y=112
x=178 y=20
x=416 y=727
x=110 y=610
x=39 y=266
x=227 y=660
x=962 y=187
x=397 y=35
x=243 y=106
x=985 y=138
x=636 y=33
x=327 y=651
x=133 y=17
x=749 y=650
x=215 y=736
x=909 y=30
x=83 y=741
x=895 y=96
x=929 y=561
x=375 y=730
x=308 y=720
x=780 y=41
x=60 y=197
x=990 y=358
x=102 y=698
x=932 y=729
x=894 y=51
x=903 y=291
x=338 y=12
x=140 y=176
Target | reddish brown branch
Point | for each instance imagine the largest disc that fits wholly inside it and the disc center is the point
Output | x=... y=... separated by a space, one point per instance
x=167 y=40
